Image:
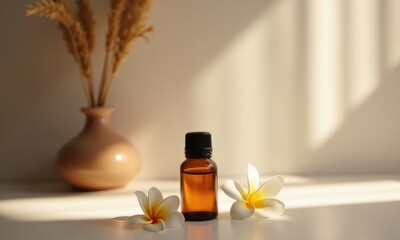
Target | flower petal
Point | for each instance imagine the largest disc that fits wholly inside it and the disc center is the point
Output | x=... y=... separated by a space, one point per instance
x=144 y=203
x=234 y=190
x=155 y=227
x=139 y=219
x=170 y=203
x=155 y=199
x=269 y=207
x=240 y=210
x=269 y=189
x=253 y=178
x=173 y=219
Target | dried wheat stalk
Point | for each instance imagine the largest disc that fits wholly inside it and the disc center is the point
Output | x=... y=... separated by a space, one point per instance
x=132 y=26
x=74 y=36
x=117 y=7
x=126 y=23
x=122 y=32
x=86 y=18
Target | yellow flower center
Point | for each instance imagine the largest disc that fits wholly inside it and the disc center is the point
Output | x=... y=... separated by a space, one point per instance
x=252 y=197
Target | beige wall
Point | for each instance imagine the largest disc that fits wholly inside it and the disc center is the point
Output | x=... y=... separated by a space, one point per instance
x=293 y=87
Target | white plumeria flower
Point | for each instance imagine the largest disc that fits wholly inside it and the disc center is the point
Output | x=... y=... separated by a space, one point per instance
x=159 y=213
x=259 y=199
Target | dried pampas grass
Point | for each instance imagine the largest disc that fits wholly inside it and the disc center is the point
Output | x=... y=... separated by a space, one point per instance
x=126 y=23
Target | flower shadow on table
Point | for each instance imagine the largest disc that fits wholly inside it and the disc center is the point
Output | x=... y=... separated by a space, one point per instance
x=137 y=230
x=122 y=222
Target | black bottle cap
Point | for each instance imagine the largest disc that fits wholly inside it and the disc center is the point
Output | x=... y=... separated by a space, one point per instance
x=198 y=145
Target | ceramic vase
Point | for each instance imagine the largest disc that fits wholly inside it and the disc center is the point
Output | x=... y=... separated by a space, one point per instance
x=98 y=158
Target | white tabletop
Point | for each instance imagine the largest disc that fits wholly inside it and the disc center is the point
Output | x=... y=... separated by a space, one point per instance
x=317 y=208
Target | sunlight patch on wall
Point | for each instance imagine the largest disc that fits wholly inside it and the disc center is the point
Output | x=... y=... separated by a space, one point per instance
x=344 y=69
x=258 y=88
x=392 y=21
x=246 y=91
x=364 y=51
x=324 y=70
x=229 y=95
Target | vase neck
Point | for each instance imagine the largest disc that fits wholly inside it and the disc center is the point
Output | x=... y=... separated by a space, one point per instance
x=97 y=116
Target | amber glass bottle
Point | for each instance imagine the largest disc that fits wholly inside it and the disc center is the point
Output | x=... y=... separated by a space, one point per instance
x=199 y=179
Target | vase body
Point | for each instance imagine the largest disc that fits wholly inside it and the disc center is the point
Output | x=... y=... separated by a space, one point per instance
x=98 y=158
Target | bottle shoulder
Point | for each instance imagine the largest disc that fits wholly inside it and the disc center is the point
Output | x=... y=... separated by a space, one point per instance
x=193 y=165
